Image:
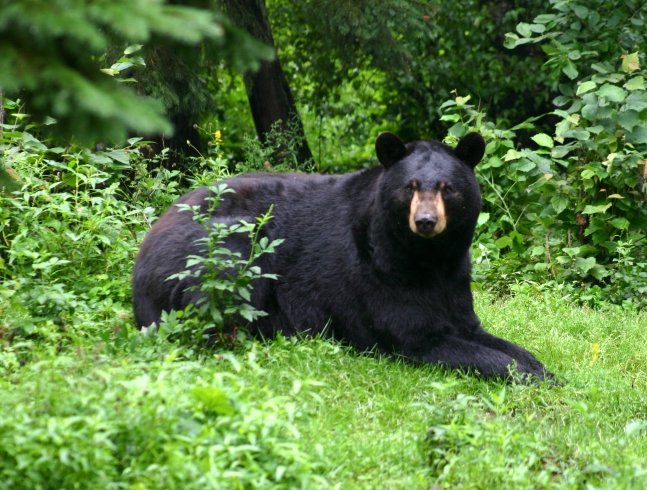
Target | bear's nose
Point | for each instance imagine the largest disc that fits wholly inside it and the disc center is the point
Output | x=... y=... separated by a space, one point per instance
x=425 y=223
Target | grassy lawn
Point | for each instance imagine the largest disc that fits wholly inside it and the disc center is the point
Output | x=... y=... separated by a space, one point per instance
x=130 y=411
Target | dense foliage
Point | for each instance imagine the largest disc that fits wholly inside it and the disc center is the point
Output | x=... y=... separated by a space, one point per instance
x=87 y=401
x=56 y=55
x=408 y=56
x=574 y=209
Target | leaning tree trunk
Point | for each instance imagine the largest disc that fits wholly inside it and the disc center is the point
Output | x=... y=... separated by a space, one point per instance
x=269 y=94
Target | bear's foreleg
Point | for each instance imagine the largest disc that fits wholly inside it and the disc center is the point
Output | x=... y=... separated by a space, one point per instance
x=489 y=361
x=518 y=353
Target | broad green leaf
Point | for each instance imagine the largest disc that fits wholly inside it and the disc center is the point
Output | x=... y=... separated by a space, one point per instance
x=561 y=128
x=524 y=29
x=636 y=101
x=450 y=117
x=620 y=223
x=574 y=55
x=124 y=65
x=602 y=68
x=132 y=49
x=245 y=294
x=638 y=136
x=599 y=272
x=503 y=242
x=120 y=156
x=630 y=62
x=110 y=71
x=612 y=93
x=560 y=151
x=524 y=165
x=482 y=219
x=544 y=18
x=636 y=83
x=512 y=155
x=493 y=162
x=542 y=139
x=559 y=203
x=595 y=209
x=570 y=71
x=537 y=250
x=572 y=251
x=578 y=134
x=590 y=112
x=628 y=119
x=584 y=87
x=580 y=10
x=574 y=119
x=584 y=264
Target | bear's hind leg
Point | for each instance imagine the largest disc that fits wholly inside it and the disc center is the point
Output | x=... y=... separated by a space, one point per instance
x=147 y=311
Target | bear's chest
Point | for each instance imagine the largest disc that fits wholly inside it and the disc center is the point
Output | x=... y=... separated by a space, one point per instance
x=408 y=307
x=395 y=315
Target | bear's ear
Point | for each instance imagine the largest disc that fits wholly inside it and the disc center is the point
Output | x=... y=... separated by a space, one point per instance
x=389 y=148
x=470 y=149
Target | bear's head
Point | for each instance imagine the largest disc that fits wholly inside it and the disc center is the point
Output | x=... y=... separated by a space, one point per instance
x=428 y=189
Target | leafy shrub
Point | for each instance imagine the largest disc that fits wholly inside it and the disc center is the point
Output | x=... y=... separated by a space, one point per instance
x=224 y=277
x=572 y=210
x=278 y=153
x=69 y=234
x=546 y=218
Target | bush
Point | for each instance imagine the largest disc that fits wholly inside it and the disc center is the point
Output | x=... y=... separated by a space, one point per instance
x=559 y=213
x=159 y=425
x=70 y=233
x=571 y=210
x=224 y=277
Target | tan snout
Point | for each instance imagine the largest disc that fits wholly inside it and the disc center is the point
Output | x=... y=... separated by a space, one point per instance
x=427 y=214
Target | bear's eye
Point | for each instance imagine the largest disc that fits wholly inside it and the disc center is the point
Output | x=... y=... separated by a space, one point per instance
x=413 y=185
x=447 y=189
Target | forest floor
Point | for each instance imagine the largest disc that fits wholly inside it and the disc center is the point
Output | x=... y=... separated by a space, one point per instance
x=127 y=410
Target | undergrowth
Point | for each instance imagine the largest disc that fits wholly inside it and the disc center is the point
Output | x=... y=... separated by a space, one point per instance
x=137 y=411
x=89 y=402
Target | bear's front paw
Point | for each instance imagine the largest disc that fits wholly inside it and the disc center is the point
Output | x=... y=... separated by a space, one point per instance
x=531 y=372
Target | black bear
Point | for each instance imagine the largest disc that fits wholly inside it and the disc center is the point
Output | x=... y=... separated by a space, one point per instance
x=378 y=258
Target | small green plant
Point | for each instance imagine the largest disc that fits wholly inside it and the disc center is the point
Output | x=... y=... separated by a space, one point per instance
x=223 y=277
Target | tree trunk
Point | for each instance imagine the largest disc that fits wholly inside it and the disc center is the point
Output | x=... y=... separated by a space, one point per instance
x=268 y=92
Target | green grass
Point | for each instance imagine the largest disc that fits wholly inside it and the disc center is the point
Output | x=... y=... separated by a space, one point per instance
x=129 y=411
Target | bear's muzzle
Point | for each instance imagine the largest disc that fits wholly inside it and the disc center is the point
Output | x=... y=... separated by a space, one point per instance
x=427 y=216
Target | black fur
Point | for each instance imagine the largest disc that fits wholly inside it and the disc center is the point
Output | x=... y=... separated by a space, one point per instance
x=350 y=264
